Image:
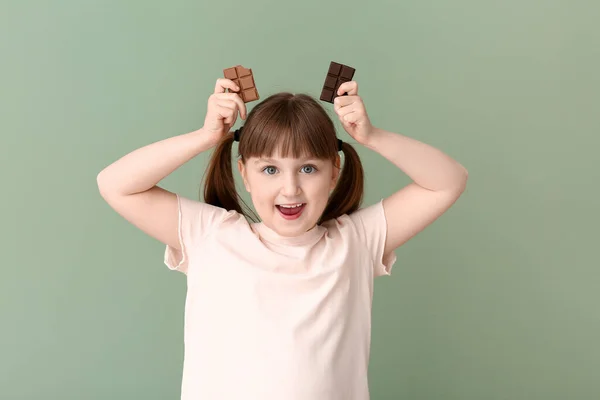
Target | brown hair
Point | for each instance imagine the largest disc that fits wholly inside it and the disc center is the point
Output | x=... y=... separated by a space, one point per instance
x=298 y=126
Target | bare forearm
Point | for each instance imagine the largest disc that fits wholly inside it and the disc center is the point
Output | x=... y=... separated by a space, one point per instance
x=143 y=168
x=427 y=166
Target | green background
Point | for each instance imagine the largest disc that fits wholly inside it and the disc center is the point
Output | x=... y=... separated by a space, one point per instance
x=498 y=299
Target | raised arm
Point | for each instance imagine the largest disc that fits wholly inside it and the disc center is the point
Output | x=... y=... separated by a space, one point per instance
x=438 y=181
x=129 y=185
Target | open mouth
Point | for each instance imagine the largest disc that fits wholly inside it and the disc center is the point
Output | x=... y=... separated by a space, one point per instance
x=291 y=211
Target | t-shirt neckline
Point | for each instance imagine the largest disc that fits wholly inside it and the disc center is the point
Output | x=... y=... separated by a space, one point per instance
x=308 y=237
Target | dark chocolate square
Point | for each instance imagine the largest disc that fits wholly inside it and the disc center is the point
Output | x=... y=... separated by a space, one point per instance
x=347 y=73
x=334 y=68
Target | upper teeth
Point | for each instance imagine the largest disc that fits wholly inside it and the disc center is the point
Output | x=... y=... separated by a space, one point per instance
x=292 y=206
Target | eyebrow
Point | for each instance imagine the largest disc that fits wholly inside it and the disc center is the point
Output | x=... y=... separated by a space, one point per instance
x=270 y=160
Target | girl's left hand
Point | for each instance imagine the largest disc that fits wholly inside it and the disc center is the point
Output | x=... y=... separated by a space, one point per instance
x=352 y=113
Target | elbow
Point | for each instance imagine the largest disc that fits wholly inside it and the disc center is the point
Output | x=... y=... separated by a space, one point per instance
x=101 y=182
x=461 y=181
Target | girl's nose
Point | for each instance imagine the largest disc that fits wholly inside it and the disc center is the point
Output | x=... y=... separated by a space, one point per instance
x=291 y=186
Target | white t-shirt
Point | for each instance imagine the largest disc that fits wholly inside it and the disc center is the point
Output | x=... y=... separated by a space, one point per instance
x=275 y=318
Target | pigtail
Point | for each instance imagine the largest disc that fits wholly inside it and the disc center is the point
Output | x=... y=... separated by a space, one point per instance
x=219 y=188
x=348 y=193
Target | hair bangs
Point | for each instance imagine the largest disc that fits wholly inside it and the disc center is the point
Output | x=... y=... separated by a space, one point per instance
x=289 y=125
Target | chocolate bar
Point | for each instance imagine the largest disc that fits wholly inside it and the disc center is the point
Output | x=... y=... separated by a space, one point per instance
x=245 y=80
x=337 y=74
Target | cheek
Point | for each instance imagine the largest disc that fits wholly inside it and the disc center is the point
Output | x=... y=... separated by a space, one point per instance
x=264 y=191
x=319 y=188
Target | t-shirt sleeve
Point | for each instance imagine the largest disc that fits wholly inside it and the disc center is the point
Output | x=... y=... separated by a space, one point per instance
x=196 y=221
x=371 y=225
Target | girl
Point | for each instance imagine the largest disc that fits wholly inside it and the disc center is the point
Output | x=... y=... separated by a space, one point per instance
x=280 y=309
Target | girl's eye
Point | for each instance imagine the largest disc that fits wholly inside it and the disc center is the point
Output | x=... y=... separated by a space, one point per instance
x=307 y=169
x=269 y=170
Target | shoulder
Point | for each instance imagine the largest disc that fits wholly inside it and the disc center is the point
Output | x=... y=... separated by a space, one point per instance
x=205 y=218
x=363 y=214
x=199 y=224
x=358 y=221
x=366 y=230
x=196 y=207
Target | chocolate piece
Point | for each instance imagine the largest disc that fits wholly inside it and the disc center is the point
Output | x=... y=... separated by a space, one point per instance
x=337 y=74
x=245 y=80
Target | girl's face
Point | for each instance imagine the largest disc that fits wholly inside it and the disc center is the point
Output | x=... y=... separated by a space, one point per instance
x=277 y=182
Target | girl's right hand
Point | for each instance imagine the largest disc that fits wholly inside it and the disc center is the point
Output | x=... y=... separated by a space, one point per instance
x=222 y=109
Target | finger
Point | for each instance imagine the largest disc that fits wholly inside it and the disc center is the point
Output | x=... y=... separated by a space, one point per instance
x=241 y=106
x=344 y=101
x=351 y=117
x=229 y=117
x=231 y=105
x=350 y=87
x=224 y=83
x=226 y=96
x=343 y=111
x=235 y=98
